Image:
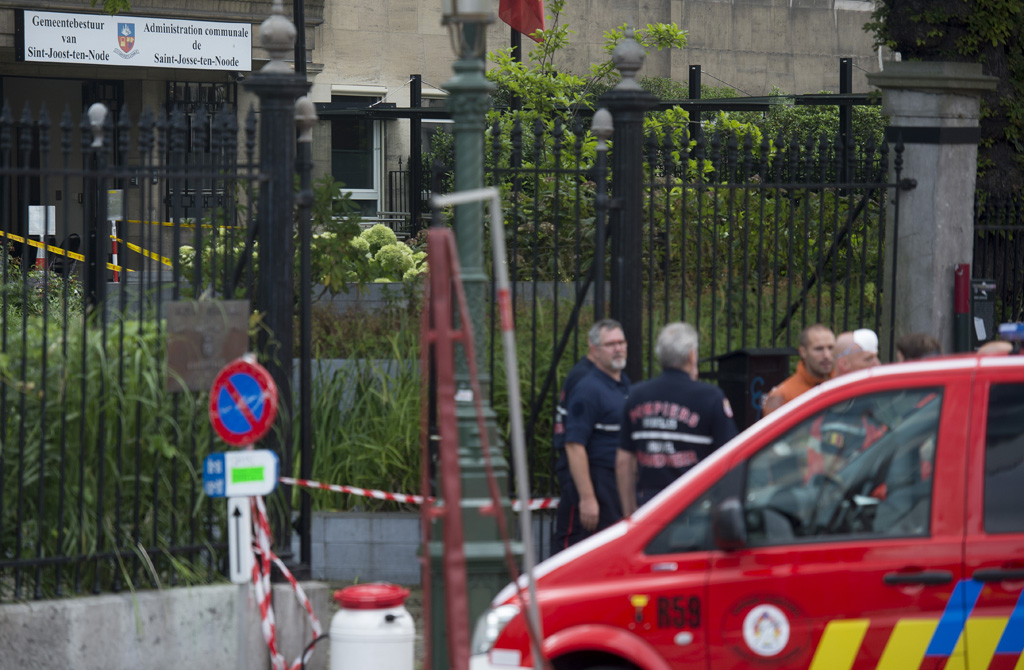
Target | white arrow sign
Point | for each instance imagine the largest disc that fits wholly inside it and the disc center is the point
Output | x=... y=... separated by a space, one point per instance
x=240 y=553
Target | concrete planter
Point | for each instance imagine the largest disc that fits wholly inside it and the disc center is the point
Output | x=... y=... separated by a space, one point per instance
x=384 y=546
x=376 y=296
x=214 y=626
x=366 y=546
x=370 y=298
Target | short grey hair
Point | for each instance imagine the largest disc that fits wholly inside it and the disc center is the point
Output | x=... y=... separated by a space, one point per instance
x=676 y=342
x=594 y=336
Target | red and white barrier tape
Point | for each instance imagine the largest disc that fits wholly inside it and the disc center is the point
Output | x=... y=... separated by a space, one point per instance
x=261 y=584
x=535 y=503
x=366 y=493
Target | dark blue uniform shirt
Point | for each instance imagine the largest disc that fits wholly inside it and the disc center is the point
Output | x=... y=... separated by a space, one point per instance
x=595 y=415
x=671 y=423
x=578 y=372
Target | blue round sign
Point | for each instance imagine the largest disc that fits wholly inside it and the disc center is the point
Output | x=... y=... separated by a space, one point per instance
x=243 y=402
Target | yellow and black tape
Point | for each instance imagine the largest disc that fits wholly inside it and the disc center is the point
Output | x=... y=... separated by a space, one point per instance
x=51 y=249
x=172 y=224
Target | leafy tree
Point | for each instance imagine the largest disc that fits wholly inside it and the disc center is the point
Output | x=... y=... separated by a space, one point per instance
x=543 y=87
x=985 y=31
x=113 y=6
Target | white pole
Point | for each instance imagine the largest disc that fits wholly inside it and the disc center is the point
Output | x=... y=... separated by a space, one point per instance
x=515 y=410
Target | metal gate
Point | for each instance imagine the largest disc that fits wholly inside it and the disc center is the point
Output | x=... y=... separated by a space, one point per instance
x=748 y=238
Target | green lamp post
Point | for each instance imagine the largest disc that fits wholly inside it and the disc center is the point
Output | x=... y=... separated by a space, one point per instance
x=469 y=100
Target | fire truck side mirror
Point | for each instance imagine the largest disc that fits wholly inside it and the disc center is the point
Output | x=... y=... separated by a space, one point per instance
x=727 y=525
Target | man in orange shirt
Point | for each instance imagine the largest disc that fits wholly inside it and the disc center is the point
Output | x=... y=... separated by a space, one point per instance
x=817 y=345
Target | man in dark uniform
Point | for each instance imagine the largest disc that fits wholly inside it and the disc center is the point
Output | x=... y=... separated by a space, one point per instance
x=578 y=372
x=671 y=422
x=589 y=499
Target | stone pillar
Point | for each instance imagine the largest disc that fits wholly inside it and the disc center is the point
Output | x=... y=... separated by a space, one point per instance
x=933 y=109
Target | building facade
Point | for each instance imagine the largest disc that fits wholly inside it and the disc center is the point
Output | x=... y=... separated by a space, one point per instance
x=363 y=55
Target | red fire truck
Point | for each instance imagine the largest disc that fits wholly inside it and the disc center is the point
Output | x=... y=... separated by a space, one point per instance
x=877 y=522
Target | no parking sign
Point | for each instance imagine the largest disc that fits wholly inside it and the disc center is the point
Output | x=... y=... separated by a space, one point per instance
x=243 y=402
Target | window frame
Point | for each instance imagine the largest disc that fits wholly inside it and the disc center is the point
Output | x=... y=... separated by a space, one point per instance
x=988 y=524
x=867 y=470
x=349 y=95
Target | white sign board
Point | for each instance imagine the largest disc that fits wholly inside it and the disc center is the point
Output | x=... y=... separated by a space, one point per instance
x=240 y=554
x=247 y=472
x=100 y=39
x=40 y=218
x=115 y=204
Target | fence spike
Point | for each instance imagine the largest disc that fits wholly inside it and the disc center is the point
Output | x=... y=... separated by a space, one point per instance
x=25 y=132
x=67 y=127
x=250 y=134
x=748 y=155
x=177 y=130
x=124 y=130
x=146 y=129
x=6 y=122
x=766 y=149
x=496 y=152
x=731 y=146
x=517 y=141
x=44 y=131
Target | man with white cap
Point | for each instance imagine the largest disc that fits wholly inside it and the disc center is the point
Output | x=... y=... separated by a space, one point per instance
x=844 y=430
x=855 y=350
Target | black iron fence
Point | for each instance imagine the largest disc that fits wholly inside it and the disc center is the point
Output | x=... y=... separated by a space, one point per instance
x=748 y=238
x=100 y=459
x=752 y=239
x=999 y=252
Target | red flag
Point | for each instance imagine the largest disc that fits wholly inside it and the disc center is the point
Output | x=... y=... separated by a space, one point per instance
x=525 y=16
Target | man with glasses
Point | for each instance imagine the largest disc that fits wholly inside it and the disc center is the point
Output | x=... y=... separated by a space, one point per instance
x=589 y=498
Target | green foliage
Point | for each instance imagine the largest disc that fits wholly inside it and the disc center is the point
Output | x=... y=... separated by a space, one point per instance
x=86 y=417
x=341 y=255
x=335 y=222
x=547 y=91
x=366 y=415
x=113 y=6
x=665 y=88
x=377 y=237
x=979 y=31
x=550 y=99
x=815 y=121
x=37 y=292
x=378 y=257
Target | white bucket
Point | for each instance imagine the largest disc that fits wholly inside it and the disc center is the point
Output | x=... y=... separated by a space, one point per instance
x=372 y=630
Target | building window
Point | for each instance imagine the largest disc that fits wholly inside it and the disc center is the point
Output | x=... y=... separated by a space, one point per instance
x=355 y=152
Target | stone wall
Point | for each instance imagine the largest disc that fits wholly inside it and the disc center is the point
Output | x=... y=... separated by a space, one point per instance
x=198 y=627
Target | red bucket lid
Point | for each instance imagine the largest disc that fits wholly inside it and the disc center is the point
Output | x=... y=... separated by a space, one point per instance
x=371 y=596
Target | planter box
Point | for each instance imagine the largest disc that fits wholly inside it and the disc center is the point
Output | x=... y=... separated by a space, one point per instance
x=376 y=296
x=384 y=546
x=366 y=546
